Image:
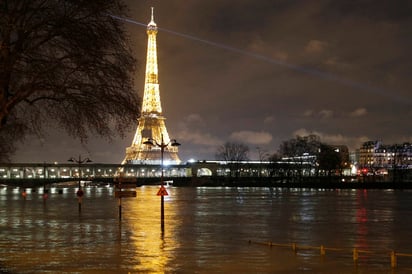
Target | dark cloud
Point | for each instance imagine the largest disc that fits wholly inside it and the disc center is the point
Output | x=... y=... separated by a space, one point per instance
x=265 y=71
x=384 y=10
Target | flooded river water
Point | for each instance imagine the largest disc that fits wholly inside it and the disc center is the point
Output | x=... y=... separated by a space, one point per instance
x=207 y=230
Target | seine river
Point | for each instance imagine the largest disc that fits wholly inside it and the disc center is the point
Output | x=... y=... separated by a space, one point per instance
x=207 y=230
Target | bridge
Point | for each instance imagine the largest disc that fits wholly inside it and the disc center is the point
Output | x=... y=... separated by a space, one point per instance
x=75 y=171
x=105 y=172
x=253 y=173
x=98 y=170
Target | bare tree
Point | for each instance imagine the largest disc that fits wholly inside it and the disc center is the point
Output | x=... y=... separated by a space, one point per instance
x=329 y=159
x=67 y=64
x=298 y=150
x=275 y=165
x=233 y=153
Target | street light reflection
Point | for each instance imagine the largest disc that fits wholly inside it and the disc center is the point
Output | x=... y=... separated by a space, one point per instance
x=154 y=248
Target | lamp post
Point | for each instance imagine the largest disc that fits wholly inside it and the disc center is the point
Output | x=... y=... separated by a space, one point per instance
x=79 y=192
x=162 y=192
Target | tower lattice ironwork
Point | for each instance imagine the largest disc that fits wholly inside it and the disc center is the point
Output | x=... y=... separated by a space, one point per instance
x=151 y=123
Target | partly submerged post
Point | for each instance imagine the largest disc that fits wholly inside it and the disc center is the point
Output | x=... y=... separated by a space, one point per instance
x=394 y=261
x=120 y=208
x=355 y=255
x=294 y=248
x=322 y=250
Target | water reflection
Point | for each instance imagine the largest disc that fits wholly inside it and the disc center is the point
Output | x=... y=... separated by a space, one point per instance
x=207 y=230
x=153 y=248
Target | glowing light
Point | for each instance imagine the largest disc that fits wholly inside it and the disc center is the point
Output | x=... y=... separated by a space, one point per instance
x=151 y=123
x=141 y=218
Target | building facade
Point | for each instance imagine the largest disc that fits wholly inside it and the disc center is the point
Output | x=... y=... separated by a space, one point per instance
x=374 y=154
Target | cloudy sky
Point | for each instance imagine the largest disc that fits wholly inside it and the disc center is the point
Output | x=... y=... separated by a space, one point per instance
x=263 y=71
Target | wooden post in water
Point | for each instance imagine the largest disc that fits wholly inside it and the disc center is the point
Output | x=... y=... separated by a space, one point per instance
x=294 y=248
x=394 y=261
x=120 y=208
x=322 y=250
x=355 y=255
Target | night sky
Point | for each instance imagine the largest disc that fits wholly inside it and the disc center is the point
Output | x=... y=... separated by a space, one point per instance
x=261 y=72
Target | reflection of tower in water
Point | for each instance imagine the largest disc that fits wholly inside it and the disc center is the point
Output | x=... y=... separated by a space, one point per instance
x=153 y=248
x=151 y=123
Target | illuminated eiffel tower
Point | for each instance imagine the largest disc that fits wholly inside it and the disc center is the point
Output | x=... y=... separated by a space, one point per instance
x=151 y=123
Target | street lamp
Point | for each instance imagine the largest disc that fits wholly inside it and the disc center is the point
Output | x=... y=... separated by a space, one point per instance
x=79 y=192
x=162 y=191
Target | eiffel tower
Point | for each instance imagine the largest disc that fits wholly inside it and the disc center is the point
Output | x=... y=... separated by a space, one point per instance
x=151 y=123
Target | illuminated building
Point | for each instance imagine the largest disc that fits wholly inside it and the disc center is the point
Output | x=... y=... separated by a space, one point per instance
x=376 y=158
x=367 y=153
x=151 y=123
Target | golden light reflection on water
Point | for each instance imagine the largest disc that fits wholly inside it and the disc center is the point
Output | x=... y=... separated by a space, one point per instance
x=153 y=248
x=207 y=230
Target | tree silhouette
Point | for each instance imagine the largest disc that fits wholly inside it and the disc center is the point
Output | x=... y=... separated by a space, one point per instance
x=233 y=154
x=329 y=159
x=65 y=64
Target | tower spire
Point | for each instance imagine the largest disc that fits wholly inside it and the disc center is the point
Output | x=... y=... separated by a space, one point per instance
x=151 y=123
x=152 y=22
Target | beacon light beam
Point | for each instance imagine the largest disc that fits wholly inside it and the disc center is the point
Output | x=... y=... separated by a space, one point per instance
x=306 y=70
